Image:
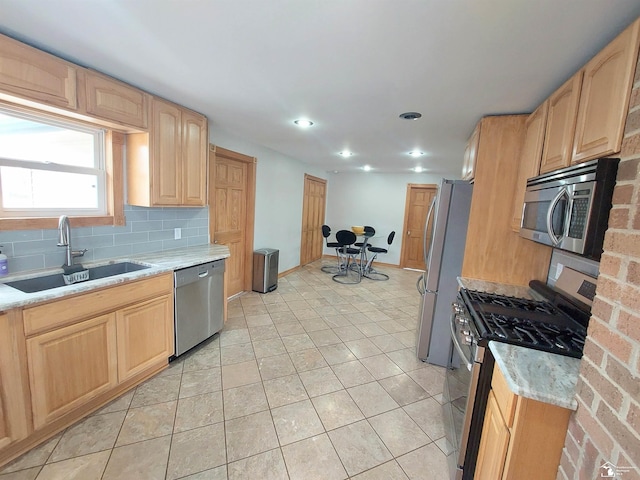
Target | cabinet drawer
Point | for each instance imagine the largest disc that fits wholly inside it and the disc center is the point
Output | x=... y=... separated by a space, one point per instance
x=505 y=398
x=68 y=310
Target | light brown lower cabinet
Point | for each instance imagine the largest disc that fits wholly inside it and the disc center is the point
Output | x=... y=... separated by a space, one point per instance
x=522 y=439
x=61 y=360
x=142 y=340
x=15 y=411
x=494 y=443
x=70 y=366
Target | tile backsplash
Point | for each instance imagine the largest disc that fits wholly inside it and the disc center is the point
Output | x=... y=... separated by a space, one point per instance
x=146 y=230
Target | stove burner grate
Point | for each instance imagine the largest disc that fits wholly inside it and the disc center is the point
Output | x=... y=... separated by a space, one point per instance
x=530 y=323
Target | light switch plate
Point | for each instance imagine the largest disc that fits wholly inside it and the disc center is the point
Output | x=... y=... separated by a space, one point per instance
x=177 y=233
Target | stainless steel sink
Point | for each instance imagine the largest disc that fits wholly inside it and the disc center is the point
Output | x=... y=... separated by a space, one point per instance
x=47 y=282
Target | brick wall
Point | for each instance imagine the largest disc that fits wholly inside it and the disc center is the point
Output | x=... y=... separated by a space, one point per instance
x=606 y=426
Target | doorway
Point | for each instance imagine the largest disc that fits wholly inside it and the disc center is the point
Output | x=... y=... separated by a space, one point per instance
x=419 y=198
x=232 y=192
x=313 y=209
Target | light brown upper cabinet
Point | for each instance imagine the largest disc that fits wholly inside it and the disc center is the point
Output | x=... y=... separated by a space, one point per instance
x=604 y=99
x=167 y=166
x=561 y=124
x=31 y=74
x=471 y=154
x=113 y=100
x=529 y=159
x=490 y=239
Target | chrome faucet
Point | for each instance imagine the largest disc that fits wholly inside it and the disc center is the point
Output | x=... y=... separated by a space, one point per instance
x=64 y=240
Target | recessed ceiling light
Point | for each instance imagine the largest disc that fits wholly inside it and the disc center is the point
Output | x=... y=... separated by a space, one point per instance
x=303 y=122
x=366 y=168
x=410 y=115
x=418 y=169
x=416 y=153
x=345 y=153
x=335 y=171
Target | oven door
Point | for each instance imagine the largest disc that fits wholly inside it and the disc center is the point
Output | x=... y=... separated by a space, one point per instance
x=464 y=401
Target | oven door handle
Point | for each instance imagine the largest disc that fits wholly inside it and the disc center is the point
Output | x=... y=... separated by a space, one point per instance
x=452 y=324
x=555 y=240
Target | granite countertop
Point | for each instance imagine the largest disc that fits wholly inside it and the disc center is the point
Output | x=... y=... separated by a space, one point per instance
x=159 y=262
x=530 y=373
x=499 y=288
x=537 y=375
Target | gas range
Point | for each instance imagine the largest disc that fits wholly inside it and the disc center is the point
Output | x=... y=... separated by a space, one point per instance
x=553 y=325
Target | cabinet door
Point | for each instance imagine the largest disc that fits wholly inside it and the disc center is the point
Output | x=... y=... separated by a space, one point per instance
x=561 y=124
x=194 y=158
x=494 y=443
x=113 y=100
x=145 y=336
x=604 y=98
x=70 y=366
x=166 y=158
x=35 y=75
x=471 y=154
x=529 y=160
x=15 y=420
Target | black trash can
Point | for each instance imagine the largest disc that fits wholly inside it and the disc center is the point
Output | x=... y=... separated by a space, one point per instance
x=265 y=270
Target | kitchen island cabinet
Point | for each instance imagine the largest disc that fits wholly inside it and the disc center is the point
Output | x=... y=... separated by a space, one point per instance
x=168 y=165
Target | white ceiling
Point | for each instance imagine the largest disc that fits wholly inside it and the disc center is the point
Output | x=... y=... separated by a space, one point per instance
x=351 y=66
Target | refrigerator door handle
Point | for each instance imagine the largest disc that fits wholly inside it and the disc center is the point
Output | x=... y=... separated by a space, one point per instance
x=418 y=287
x=426 y=227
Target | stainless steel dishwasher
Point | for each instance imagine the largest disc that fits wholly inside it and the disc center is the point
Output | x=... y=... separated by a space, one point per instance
x=199 y=304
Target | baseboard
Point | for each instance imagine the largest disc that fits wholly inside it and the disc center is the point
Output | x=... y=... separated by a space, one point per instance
x=287 y=272
x=382 y=264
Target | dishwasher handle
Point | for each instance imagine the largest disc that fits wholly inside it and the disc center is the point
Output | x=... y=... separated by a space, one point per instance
x=196 y=273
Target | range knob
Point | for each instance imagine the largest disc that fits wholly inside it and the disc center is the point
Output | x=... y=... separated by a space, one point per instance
x=462 y=321
x=466 y=333
x=457 y=308
x=467 y=340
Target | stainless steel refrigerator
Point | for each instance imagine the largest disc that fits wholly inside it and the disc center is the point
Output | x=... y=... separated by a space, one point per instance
x=438 y=286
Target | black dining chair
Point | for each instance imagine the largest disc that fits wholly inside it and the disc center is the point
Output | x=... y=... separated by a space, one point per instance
x=348 y=255
x=368 y=271
x=326 y=231
x=368 y=233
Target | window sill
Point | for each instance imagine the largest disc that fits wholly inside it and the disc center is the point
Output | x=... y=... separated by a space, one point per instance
x=26 y=223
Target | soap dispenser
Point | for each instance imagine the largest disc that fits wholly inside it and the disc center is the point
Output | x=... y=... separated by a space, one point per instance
x=4 y=265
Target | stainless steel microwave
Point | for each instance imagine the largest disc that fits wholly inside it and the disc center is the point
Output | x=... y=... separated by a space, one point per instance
x=569 y=208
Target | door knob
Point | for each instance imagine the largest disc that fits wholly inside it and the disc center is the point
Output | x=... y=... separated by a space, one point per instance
x=408 y=232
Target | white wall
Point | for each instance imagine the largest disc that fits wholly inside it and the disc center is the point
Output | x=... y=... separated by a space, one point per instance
x=279 y=194
x=374 y=199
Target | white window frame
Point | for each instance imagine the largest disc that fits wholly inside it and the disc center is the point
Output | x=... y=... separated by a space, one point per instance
x=99 y=169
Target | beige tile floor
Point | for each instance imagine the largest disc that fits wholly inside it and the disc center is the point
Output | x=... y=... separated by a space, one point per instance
x=316 y=380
